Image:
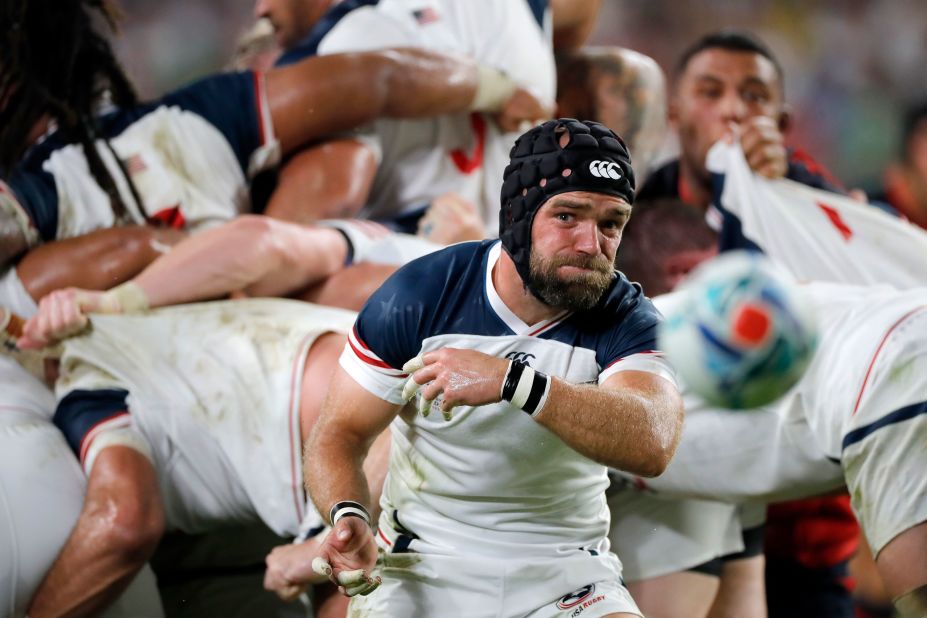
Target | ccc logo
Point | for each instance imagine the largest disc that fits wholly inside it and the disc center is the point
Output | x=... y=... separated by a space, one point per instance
x=605 y=169
x=521 y=357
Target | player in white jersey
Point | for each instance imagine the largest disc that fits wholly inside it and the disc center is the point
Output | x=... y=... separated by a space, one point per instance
x=857 y=418
x=41 y=494
x=183 y=160
x=251 y=254
x=498 y=509
x=406 y=165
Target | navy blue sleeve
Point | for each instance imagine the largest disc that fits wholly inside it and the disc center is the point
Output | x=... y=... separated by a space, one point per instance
x=633 y=319
x=308 y=46
x=229 y=102
x=81 y=412
x=37 y=194
x=422 y=298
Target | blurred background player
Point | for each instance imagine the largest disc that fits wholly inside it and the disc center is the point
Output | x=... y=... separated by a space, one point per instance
x=79 y=151
x=905 y=180
x=730 y=84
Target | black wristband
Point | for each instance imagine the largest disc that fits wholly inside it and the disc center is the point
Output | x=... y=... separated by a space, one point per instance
x=525 y=388
x=348 y=508
x=512 y=376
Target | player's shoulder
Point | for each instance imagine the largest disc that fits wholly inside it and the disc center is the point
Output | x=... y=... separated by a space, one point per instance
x=624 y=299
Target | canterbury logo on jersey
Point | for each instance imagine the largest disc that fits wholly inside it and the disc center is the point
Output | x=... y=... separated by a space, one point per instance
x=521 y=357
x=605 y=169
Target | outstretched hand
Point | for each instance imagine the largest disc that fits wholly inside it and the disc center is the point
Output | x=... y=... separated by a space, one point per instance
x=459 y=377
x=347 y=557
x=61 y=314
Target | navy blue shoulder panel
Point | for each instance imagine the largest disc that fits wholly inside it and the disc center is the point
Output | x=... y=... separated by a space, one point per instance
x=440 y=293
x=538 y=8
x=309 y=45
x=80 y=411
x=37 y=193
x=229 y=102
x=622 y=324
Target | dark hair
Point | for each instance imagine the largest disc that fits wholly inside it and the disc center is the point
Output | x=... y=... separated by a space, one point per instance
x=54 y=61
x=731 y=40
x=913 y=117
x=658 y=229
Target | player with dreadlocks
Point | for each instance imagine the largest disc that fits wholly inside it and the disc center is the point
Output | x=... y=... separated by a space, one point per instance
x=78 y=152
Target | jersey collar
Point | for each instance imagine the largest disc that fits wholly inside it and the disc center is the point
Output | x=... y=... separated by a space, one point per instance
x=505 y=314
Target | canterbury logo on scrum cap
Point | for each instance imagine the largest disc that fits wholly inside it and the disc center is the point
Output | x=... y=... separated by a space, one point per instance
x=605 y=169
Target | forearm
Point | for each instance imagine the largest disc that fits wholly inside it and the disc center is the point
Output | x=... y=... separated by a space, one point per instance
x=115 y=535
x=334 y=472
x=630 y=429
x=95 y=261
x=307 y=100
x=574 y=21
x=251 y=253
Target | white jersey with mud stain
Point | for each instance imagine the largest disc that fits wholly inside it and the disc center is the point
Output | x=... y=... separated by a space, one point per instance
x=463 y=153
x=214 y=388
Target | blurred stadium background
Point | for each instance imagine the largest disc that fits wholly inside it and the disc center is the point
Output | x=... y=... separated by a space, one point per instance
x=852 y=66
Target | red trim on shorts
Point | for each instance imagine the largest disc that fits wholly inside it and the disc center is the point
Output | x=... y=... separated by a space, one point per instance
x=879 y=349
x=383 y=536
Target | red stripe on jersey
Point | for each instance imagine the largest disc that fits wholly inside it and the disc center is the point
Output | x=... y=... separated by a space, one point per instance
x=862 y=389
x=367 y=359
x=550 y=325
x=467 y=164
x=618 y=360
x=96 y=429
x=836 y=220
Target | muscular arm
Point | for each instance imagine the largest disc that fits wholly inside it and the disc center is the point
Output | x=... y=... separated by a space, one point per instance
x=632 y=422
x=350 y=420
x=326 y=95
x=329 y=181
x=118 y=529
x=255 y=254
x=96 y=261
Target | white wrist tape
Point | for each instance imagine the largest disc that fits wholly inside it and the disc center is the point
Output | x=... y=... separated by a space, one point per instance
x=493 y=89
x=125 y=298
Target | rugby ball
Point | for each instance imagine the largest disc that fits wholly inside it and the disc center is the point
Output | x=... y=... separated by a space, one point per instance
x=740 y=331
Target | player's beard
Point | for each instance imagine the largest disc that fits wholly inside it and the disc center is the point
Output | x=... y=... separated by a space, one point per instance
x=576 y=292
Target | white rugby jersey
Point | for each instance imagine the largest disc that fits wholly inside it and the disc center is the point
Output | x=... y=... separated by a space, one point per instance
x=854 y=323
x=465 y=153
x=215 y=389
x=188 y=155
x=492 y=481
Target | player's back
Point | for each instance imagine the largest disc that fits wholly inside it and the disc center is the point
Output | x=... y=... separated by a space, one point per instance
x=854 y=323
x=422 y=159
x=214 y=387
